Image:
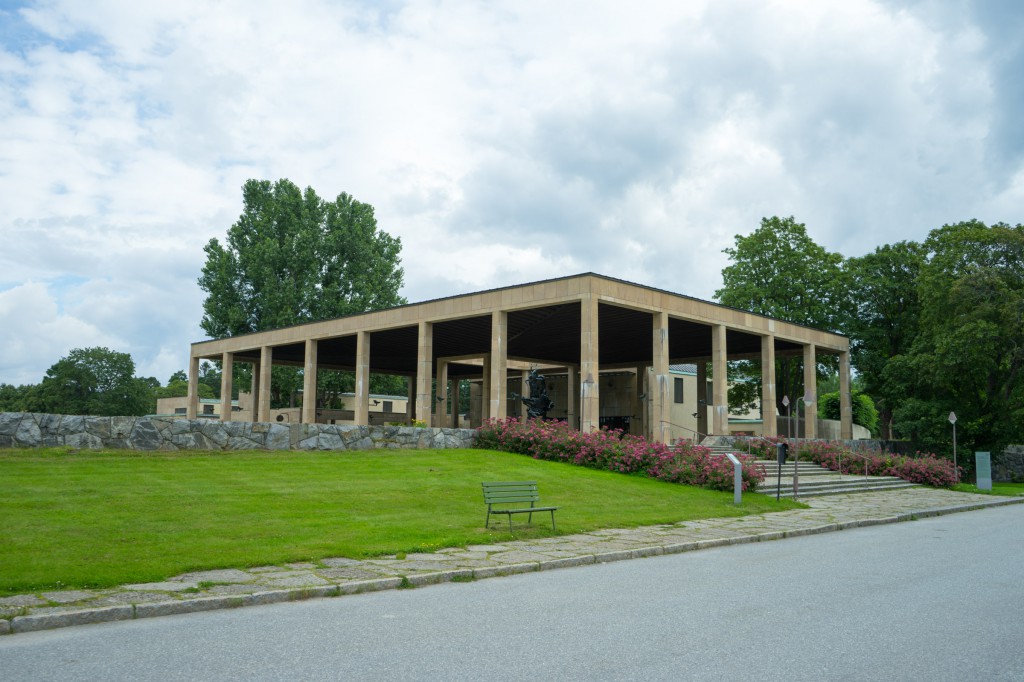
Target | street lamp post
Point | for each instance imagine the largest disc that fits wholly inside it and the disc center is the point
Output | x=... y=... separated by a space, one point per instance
x=956 y=471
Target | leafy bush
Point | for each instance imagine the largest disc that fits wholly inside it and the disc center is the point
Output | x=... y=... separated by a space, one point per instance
x=864 y=411
x=925 y=468
x=614 y=450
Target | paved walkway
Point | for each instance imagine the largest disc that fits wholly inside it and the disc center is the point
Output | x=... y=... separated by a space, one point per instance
x=229 y=588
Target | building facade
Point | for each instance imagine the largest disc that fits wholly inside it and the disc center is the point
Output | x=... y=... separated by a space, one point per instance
x=581 y=331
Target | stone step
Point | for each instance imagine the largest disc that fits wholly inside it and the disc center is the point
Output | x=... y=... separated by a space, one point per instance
x=845 y=487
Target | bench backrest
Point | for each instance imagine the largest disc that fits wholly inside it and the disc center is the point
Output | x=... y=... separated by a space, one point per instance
x=501 y=492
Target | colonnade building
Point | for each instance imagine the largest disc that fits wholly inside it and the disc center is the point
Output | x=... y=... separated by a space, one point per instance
x=581 y=331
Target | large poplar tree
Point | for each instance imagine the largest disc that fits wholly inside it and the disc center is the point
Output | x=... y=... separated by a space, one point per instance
x=292 y=257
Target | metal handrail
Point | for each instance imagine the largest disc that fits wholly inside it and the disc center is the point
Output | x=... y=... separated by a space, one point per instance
x=685 y=428
x=737 y=466
x=854 y=454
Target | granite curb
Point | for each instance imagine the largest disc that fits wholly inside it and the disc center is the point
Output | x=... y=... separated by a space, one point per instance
x=106 y=614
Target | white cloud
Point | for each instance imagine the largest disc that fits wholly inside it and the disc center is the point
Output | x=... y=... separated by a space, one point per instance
x=503 y=142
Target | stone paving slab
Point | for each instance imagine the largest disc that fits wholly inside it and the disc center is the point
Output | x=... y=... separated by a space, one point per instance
x=336 y=576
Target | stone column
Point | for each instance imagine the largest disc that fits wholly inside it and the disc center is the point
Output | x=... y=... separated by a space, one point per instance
x=309 y=383
x=662 y=400
x=810 y=392
x=590 y=369
x=524 y=392
x=572 y=397
x=254 y=391
x=702 y=399
x=266 y=365
x=192 y=406
x=720 y=388
x=769 y=424
x=362 y=398
x=442 y=395
x=227 y=362
x=410 y=405
x=424 y=371
x=498 y=397
x=456 y=397
x=636 y=422
x=485 y=390
x=845 y=399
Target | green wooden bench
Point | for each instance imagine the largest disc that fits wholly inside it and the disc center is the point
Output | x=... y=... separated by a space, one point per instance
x=513 y=493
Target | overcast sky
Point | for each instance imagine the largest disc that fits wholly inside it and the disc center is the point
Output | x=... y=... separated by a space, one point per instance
x=504 y=142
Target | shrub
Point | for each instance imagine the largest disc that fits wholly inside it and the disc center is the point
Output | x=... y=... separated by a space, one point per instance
x=924 y=467
x=614 y=450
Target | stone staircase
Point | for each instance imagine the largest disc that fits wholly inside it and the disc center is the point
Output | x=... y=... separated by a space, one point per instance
x=815 y=480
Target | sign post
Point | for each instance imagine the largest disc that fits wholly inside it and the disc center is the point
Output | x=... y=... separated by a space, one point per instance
x=956 y=470
x=789 y=418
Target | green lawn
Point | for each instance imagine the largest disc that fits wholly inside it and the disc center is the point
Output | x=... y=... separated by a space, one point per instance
x=102 y=518
x=1008 y=489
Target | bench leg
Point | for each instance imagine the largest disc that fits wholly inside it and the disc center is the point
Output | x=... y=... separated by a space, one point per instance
x=553 y=520
x=509 y=523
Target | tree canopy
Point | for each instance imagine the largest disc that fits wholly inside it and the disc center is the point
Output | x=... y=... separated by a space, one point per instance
x=92 y=381
x=292 y=257
x=967 y=354
x=779 y=271
x=885 y=318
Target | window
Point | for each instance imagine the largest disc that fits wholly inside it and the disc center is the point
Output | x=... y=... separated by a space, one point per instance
x=678 y=390
x=388 y=406
x=180 y=410
x=207 y=409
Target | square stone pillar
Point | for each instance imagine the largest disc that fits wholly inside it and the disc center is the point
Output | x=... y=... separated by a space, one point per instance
x=227 y=362
x=524 y=392
x=769 y=424
x=456 y=398
x=810 y=392
x=424 y=372
x=720 y=389
x=485 y=390
x=410 y=405
x=662 y=400
x=309 y=383
x=192 y=406
x=572 y=396
x=442 y=395
x=845 y=398
x=362 y=388
x=590 y=370
x=702 y=399
x=636 y=420
x=266 y=365
x=254 y=391
x=498 y=398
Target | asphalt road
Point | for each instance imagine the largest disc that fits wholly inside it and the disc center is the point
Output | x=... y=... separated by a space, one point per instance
x=934 y=599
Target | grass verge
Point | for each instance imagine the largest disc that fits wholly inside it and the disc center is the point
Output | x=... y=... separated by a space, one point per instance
x=103 y=518
x=1007 y=489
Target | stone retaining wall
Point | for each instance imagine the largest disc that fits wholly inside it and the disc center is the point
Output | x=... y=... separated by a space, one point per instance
x=30 y=430
x=1008 y=465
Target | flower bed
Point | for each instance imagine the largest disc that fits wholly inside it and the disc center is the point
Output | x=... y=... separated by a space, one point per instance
x=615 y=451
x=925 y=468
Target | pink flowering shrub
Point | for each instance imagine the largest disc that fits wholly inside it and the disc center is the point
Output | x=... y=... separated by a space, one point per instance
x=614 y=450
x=925 y=468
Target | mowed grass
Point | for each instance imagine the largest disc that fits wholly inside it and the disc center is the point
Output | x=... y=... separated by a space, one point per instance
x=101 y=518
x=1008 y=489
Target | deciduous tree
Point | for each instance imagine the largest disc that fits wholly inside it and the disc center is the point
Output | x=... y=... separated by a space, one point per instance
x=779 y=271
x=293 y=258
